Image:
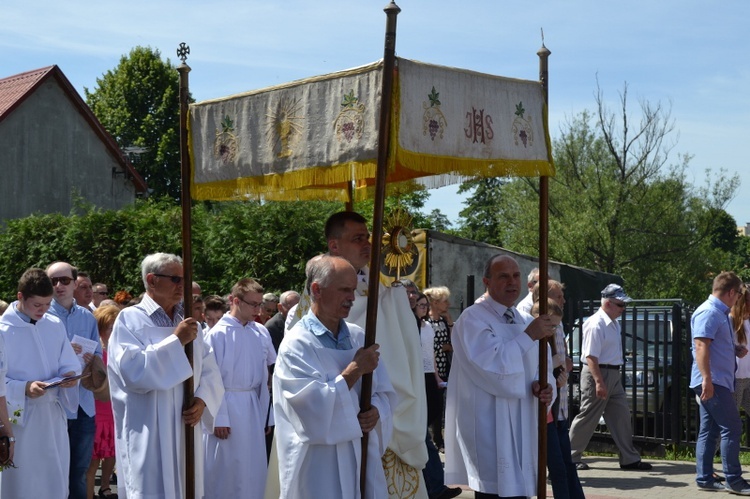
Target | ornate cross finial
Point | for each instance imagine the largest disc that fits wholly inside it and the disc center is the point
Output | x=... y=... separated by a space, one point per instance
x=182 y=51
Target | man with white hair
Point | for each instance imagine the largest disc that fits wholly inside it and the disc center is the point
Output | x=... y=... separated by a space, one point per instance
x=275 y=324
x=268 y=308
x=347 y=236
x=602 y=392
x=147 y=367
x=319 y=425
x=528 y=300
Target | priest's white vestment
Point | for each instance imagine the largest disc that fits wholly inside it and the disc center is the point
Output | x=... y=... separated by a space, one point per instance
x=318 y=436
x=491 y=416
x=236 y=466
x=147 y=366
x=401 y=354
x=38 y=352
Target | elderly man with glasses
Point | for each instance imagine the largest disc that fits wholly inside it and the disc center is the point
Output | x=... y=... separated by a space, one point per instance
x=147 y=368
x=100 y=294
x=601 y=383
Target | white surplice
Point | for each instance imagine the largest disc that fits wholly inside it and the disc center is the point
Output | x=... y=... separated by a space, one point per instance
x=491 y=416
x=318 y=436
x=147 y=367
x=236 y=466
x=401 y=354
x=38 y=352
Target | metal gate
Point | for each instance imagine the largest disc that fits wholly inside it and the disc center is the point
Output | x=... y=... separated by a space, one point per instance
x=656 y=371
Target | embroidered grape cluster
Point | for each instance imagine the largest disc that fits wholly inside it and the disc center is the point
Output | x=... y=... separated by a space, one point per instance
x=348 y=130
x=434 y=127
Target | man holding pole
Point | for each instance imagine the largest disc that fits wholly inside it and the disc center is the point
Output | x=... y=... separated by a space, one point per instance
x=491 y=413
x=347 y=236
x=319 y=426
x=147 y=367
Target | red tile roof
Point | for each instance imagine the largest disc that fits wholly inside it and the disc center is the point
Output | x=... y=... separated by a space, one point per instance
x=14 y=89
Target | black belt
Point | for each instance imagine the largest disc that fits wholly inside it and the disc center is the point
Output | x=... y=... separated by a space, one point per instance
x=609 y=366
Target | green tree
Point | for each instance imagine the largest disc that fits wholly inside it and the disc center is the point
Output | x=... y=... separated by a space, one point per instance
x=138 y=104
x=481 y=219
x=411 y=199
x=615 y=205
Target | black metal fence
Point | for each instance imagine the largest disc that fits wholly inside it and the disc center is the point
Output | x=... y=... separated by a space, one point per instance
x=656 y=373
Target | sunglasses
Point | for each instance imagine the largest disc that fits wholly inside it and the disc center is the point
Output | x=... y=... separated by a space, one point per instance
x=102 y=293
x=621 y=305
x=176 y=279
x=64 y=280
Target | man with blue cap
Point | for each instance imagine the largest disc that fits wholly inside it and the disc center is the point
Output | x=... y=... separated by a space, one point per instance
x=601 y=384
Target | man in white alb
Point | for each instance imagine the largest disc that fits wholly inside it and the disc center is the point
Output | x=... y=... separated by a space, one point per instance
x=235 y=451
x=347 y=236
x=147 y=367
x=492 y=410
x=319 y=425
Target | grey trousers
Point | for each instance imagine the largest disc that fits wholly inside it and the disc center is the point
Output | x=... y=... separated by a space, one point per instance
x=616 y=414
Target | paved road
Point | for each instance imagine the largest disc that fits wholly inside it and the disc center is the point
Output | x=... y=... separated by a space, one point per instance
x=605 y=480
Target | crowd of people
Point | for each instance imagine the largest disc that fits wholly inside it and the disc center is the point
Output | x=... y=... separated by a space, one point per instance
x=274 y=385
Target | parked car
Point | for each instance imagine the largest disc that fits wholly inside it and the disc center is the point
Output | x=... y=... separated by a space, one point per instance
x=652 y=360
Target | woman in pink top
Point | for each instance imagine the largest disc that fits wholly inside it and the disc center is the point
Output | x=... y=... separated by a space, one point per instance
x=104 y=438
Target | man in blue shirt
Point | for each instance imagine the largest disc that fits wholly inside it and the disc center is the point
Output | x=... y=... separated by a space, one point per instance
x=78 y=321
x=712 y=379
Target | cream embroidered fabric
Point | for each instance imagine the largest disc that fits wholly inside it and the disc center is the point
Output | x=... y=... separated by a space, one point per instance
x=308 y=139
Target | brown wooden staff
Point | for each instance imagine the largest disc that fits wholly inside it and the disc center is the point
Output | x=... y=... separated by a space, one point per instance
x=187 y=260
x=543 y=54
x=384 y=128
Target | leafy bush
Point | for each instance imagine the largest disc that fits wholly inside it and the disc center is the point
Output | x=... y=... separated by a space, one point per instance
x=270 y=242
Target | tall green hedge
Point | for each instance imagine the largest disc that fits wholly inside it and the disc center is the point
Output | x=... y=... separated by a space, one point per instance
x=270 y=242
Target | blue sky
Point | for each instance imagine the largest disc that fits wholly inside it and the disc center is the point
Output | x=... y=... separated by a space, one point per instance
x=686 y=54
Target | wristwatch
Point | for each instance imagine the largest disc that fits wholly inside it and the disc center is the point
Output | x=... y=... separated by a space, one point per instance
x=11 y=439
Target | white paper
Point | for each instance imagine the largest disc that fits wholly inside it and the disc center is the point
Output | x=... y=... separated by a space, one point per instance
x=87 y=346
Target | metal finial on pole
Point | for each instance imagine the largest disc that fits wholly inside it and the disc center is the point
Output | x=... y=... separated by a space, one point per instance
x=183 y=51
x=187 y=259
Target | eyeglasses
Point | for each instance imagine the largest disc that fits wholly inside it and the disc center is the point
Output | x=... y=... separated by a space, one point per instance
x=252 y=304
x=176 y=279
x=619 y=304
x=102 y=293
x=64 y=280
x=422 y=305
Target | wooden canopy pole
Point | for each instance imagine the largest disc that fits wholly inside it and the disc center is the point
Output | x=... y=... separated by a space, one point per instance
x=543 y=54
x=389 y=64
x=187 y=261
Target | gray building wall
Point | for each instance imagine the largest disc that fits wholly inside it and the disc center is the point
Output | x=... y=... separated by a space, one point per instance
x=451 y=259
x=49 y=153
